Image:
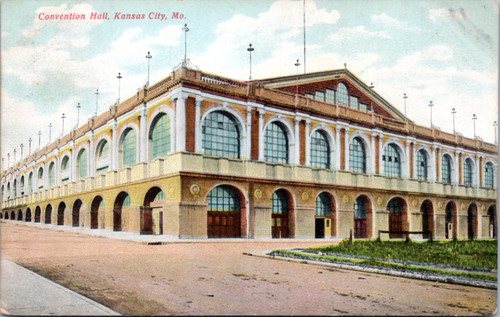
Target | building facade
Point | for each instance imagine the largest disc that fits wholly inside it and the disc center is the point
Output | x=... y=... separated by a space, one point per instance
x=318 y=155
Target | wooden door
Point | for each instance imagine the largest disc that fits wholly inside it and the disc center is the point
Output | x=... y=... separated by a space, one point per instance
x=117 y=219
x=279 y=225
x=360 y=228
x=223 y=224
x=146 y=220
x=395 y=225
x=319 y=228
x=93 y=219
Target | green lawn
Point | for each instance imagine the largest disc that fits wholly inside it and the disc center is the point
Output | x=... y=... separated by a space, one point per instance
x=462 y=253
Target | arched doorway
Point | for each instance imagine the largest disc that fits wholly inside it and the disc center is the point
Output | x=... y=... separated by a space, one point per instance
x=492 y=216
x=97 y=203
x=122 y=200
x=324 y=218
x=28 y=215
x=19 y=215
x=60 y=213
x=48 y=214
x=472 y=221
x=76 y=213
x=282 y=213
x=362 y=217
x=38 y=212
x=147 y=218
x=451 y=220
x=427 y=213
x=397 y=217
x=224 y=212
x=7 y=215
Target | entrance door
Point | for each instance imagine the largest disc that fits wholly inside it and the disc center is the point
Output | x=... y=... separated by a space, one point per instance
x=320 y=228
x=395 y=225
x=360 y=228
x=223 y=224
x=117 y=218
x=146 y=220
x=279 y=225
x=93 y=219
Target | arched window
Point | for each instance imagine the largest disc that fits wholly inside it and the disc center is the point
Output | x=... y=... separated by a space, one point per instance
x=275 y=144
x=342 y=94
x=14 y=187
x=81 y=164
x=102 y=156
x=30 y=182
x=8 y=190
x=489 y=178
x=220 y=135
x=280 y=202
x=320 y=150
x=357 y=156
x=422 y=165
x=21 y=185
x=65 y=172
x=395 y=206
x=160 y=136
x=40 y=177
x=323 y=205
x=392 y=161
x=468 y=171
x=128 y=148
x=446 y=169
x=52 y=174
x=223 y=198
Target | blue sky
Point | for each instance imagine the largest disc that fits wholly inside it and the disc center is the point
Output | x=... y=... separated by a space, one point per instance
x=444 y=51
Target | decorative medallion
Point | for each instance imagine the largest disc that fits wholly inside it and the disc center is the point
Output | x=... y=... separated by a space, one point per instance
x=440 y=204
x=258 y=193
x=195 y=189
x=305 y=196
x=462 y=206
x=414 y=202
x=379 y=201
x=345 y=199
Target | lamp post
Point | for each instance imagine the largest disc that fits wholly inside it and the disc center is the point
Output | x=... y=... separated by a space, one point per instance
x=63 y=117
x=185 y=29
x=149 y=56
x=404 y=98
x=14 y=162
x=50 y=132
x=119 y=77
x=453 y=111
x=297 y=64
x=430 y=106
x=29 y=146
x=8 y=160
x=96 y=100
x=495 y=125
x=21 y=146
x=39 y=138
x=250 y=49
x=474 y=118
x=78 y=115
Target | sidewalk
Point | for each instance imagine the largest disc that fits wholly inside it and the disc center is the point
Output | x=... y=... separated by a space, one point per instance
x=23 y=292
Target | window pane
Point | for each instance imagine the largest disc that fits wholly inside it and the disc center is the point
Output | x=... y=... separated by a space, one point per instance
x=52 y=174
x=280 y=202
x=320 y=150
x=395 y=206
x=353 y=102
x=323 y=205
x=360 y=208
x=422 y=165
x=128 y=148
x=275 y=144
x=357 y=157
x=330 y=95
x=342 y=95
x=468 y=172
x=320 y=95
x=488 y=175
x=81 y=164
x=363 y=106
x=392 y=162
x=446 y=169
x=223 y=198
x=103 y=148
x=220 y=135
x=160 y=137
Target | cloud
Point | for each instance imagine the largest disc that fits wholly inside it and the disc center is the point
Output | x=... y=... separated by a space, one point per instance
x=387 y=21
x=434 y=14
x=348 y=33
x=4 y=34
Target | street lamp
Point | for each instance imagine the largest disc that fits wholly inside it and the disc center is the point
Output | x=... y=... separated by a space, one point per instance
x=453 y=111
x=39 y=138
x=404 y=98
x=495 y=124
x=29 y=147
x=50 y=132
x=21 y=146
x=297 y=64
x=63 y=117
x=14 y=162
x=474 y=118
x=119 y=77
x=149 y=56
x=96 y=100
x=78 y=115
x=250 y=49
x=431 y=105
x=185 y=29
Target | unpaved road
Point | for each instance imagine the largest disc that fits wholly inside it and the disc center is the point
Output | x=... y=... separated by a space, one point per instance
x=216 y=278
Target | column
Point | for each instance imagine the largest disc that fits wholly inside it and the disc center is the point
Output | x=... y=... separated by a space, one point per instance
x=58 y=168
x=308 y=144
x=434 y=161
x=296 y=158
x=338 y=150
x=456 y=169
x=346 y=148
x=406 y=171
x=261 y=134
x=477 y=180
x=72 y=176
x=91 y=156
x=248 y=141
x=143 y=135
x=114 y=146
x=180 y=123
x=197 y=127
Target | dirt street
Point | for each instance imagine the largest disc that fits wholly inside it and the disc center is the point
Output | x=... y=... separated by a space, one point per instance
x=216 y=278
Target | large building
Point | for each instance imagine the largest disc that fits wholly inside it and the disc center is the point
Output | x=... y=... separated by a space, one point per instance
x=318 y=155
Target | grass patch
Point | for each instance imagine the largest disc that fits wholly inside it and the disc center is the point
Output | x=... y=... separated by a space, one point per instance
x=402 y=267
x=461 y=253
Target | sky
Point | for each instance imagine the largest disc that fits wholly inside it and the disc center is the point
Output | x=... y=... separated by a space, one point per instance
x=437 y=50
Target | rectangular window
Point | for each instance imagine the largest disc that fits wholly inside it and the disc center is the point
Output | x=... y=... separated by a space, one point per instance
x=330 y=95
x=354 y=102
x=363 y=106
x=309 y=95
x=320 y=95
